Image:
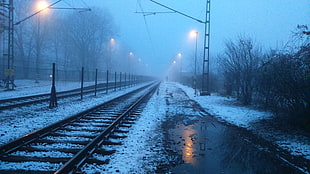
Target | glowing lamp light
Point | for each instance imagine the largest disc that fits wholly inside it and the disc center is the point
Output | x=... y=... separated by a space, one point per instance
x=42 y=5
x=130 y=53
x=193 y=33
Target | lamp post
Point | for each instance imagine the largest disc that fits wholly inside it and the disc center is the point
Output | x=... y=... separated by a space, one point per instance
x=129 y=59
x=195 y=34
x=42 y=5
x=111 y=43
x=180 y=57
x=206 y=46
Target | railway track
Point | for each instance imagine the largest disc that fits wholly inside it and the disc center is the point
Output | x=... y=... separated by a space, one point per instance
x=29 y=100
x=65 y=146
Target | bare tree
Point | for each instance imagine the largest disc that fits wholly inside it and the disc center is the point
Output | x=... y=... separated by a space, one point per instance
x=24 y=41
x=240 y=63
x=31 y=42
x=283 y=81
x=87 y=33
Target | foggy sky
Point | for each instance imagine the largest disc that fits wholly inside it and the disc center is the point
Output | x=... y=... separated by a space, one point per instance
x=157 y=39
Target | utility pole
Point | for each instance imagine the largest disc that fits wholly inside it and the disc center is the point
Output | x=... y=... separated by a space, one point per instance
x=7 y=25
x=205 y=88
x=9 y=72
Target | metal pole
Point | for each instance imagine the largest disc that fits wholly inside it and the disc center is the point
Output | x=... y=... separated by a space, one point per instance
x=195 y=78
x=181 y=79
x=120 y=80
x=10 y=71
x=125 y=80
x=115 y=81
x=96 y=81
x=82 y=83
x=53 y=99
x=107 y=83
x=206 y=53
x=129 y=79
x=38 y=49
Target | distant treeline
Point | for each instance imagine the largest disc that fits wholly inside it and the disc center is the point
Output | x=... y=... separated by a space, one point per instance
x=69 y=38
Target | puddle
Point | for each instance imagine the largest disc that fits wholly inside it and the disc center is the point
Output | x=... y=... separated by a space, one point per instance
x=208 y=146
x=203 y=145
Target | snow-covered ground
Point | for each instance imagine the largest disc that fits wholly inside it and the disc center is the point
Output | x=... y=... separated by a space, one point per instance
x=140 y=146
x=20 y=121
x=137 y=146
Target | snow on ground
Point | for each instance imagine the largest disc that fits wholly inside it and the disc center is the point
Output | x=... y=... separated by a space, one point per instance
x=20 y=121
x=137 y=146
x=140 y=143
x=224 y=109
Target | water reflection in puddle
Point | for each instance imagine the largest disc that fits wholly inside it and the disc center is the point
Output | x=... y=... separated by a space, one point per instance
x=188 y=148
x=208 y=146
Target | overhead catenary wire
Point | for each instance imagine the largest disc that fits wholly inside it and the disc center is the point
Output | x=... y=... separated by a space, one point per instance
x=49 y=6
x=176 y=11
x=151 y=13
x=139 y=4
x=73 y=8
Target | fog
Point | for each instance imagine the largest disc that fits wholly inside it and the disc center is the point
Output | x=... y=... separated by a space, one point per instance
x=151 y=33
x=157 y=39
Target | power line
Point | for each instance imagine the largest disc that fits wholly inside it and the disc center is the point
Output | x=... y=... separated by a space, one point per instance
x=152 y=13
x=85 y=3
x=146 y=25
x=176 y=11
x=49 y=6
x=206 y=50
x=71 y=7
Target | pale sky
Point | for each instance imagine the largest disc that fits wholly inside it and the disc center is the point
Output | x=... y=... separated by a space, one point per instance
x=157 y=39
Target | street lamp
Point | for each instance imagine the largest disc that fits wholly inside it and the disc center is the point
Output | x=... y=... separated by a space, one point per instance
x=129 y=57
x=206 y=46
x=180 y=57
x=109 y=59
x=112 y=41
x=41 y=5
x=194 y=33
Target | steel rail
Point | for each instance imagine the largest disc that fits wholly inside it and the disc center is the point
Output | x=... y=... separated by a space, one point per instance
x=76 y=161
x=28 y=138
